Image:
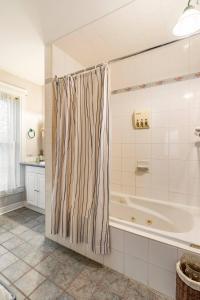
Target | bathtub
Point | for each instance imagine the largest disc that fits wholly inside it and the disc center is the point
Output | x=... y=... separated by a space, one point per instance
x=156 y=219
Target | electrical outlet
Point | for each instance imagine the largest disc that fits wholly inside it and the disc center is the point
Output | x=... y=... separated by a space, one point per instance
x=141 y=120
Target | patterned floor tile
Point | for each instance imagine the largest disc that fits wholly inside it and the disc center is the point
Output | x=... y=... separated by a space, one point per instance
x=82 y=288
x=4 y=280
x=101 y=294
x=5 y=236
x=48 y=266
x=23 y=250
x=64 y=275
x=94 y=272
x=48 y=246
x=17 y=293
x=39 y=228
x=66 y=296
x=12 y=243
x=2 y=230
x=29 y=282
x=136 y=291
x=37 y=241
x=19 y=229
x=46 y=291
x=16 y=270
x=58 y=268
x=30 y=224
x=3 y=250
x=114 y=282
x=35 y=257
x=6 y=260
x=62 y=254
x=29 y=235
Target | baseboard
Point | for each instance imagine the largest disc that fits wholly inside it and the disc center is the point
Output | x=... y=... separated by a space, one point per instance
x=35 y=208
x=14 y=206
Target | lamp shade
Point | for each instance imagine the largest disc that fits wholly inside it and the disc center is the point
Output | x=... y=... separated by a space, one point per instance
x=188 y=23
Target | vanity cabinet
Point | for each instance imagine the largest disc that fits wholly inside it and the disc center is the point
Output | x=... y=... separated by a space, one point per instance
x=35 y=186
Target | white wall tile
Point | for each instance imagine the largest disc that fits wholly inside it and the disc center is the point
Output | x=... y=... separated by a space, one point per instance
x=193 y=54
x=162 y=280
x=116 y=177
x=136 y=246
x=160 y=135
x=178 y=176
x=159 y=151
x=180 y=151
x=116 y=163
x=116 y=187
x=143 y=191
x=143 y=136
x=163 y=255
x=142 y=151
x=160 y=119
x=115 y=261
x=178 y=117
x=174 y=112
x=128 y=150
x=128 y=164
x=159 y=193
x=128 y=178
x=179 y=134
x=117 y=239
x=116 y=150
x=136 y=269
x=143 y=180
x=130 y=190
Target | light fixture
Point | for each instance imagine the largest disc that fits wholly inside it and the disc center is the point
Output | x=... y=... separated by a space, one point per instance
x=189 y=22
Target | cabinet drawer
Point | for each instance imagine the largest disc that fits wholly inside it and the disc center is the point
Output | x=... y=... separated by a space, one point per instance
x=36 y=170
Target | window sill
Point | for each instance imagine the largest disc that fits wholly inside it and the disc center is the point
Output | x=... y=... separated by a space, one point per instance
x=13 y=192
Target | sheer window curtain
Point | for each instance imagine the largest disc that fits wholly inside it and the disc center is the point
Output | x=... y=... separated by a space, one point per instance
x=9 y=143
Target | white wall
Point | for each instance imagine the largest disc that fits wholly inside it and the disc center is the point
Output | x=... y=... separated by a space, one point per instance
x=62 y=63
x=169 y=145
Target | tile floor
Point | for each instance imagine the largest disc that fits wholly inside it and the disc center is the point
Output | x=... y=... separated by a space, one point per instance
x=36 y=268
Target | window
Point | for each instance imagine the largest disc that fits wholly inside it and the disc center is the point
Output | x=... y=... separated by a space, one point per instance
x=9 y=141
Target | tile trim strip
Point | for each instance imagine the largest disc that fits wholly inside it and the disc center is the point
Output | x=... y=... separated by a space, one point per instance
x=157 y=83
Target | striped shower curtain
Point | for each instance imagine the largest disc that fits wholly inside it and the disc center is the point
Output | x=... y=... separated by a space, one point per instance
x=80 y=205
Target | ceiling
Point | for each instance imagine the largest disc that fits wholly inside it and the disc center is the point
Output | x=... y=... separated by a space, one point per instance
x=106 y=31
x=141 y=24
x=26 y=25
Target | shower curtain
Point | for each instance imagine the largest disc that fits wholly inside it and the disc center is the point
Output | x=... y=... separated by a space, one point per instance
x=80 y=204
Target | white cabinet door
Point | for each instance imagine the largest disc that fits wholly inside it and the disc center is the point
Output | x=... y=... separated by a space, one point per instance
x=35 y=186
x=41 y=188
x=31 y=189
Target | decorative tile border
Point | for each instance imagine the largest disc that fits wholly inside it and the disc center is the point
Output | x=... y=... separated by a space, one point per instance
x=156 y=83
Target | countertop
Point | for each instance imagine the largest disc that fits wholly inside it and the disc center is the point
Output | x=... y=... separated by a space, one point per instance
x=32 y=164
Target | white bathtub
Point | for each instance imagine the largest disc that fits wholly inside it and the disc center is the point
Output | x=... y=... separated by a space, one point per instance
x=160 y=219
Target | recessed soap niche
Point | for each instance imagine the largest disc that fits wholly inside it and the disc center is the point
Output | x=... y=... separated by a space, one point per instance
x=141 y=120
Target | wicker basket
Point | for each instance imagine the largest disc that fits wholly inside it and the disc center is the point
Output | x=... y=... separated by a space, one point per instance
x=186 y=289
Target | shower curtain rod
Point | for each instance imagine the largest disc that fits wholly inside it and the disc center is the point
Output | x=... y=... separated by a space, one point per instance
x=130 y=55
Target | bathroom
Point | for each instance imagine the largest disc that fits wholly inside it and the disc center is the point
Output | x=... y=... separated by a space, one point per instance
x=152 y=75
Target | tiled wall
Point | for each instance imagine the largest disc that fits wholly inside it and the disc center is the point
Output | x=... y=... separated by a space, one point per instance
x=145 y=260
x=170 y=146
